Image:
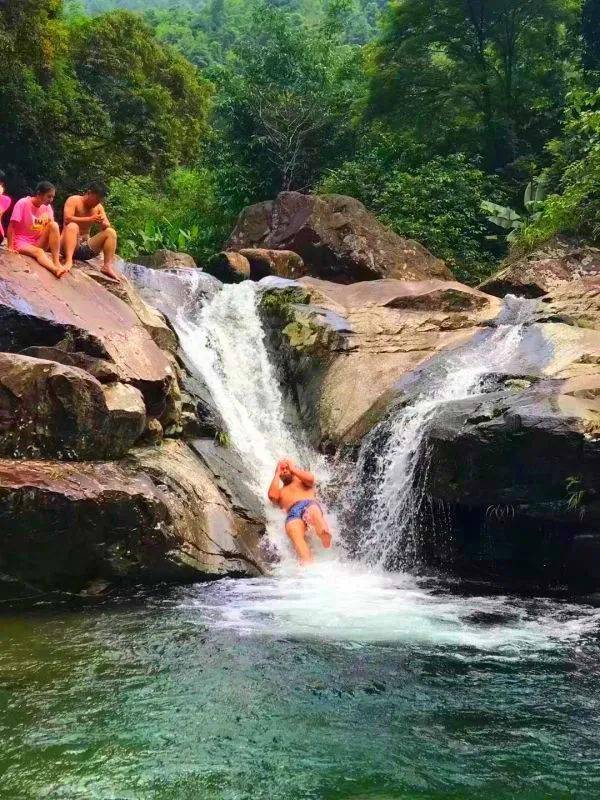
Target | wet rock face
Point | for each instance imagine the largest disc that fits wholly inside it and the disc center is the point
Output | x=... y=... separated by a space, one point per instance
x=337 y=238
x=153 y=517
x=517 y=471
x=51 y=410
x=517 y=477
x=78 y=315
x=343 y=348
x=560 y=261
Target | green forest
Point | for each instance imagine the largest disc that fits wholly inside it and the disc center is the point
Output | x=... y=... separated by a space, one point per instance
x=470 y=125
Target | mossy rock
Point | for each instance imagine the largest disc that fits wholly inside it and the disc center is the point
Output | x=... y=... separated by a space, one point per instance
x=280 y=302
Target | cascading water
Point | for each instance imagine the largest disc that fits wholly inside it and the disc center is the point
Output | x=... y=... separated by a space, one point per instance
x=221 y=333
x=391 y=490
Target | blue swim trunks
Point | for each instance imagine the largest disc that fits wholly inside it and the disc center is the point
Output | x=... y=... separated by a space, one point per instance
x=298 y=510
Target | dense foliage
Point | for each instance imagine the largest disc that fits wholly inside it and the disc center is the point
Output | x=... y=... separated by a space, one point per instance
x=423 y=109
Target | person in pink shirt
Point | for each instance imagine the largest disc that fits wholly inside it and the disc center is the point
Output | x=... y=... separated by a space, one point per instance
x=5 y=203
x=32 y=230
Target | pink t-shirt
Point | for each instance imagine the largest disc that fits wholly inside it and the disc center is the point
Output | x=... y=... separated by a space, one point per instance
x=5 y=202
x=29 y=222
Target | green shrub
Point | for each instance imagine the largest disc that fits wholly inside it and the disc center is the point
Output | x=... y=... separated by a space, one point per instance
x=183 y=214
x=438 y=203
x=573 y=207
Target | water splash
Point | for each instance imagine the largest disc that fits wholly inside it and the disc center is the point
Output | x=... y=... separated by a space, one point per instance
x=356 y=606
x=392 y=478
x=221 y=333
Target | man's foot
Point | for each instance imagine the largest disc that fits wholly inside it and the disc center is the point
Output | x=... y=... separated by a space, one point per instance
x=110 y=273
x=325 y=538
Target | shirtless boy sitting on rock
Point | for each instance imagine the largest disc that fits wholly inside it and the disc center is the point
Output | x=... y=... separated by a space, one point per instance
x=81 y=212
x=297 y=497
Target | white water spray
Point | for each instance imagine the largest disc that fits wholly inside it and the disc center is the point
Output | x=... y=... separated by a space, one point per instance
x=397 y=499
x=221 y=333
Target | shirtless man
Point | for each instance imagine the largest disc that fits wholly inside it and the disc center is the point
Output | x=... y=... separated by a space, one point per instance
x=81 y=212
x=298 y=498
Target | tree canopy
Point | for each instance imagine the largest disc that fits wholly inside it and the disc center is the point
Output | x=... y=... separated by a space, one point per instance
x=423 y=109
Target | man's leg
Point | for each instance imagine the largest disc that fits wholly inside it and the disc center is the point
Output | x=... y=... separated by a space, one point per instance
x=315 y=518
x=69 y=242
x=42 y=258
x=106 y=243
x=296 y=530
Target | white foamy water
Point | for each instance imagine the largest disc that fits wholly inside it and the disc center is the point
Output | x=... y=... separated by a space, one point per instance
x=353 y=605
x=221 y=333
x=396 y=502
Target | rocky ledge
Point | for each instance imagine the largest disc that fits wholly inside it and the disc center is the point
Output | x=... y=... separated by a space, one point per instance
x=343 y=349
x=512 y=476
x=98 y=486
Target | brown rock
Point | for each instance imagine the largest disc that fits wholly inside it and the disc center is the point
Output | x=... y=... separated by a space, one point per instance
x=36 y=309
x=337 y=238
x=51 y=410
x=556 y=263
x=574 y=303
x=156 y=517
x=154 y=432
x=98 y=368
x=229 y=267
x=152 y=320
x=283 y=263
x=344 y=348
x=167 y=259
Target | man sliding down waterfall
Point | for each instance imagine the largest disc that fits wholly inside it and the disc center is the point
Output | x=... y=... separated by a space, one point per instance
x=298 y=498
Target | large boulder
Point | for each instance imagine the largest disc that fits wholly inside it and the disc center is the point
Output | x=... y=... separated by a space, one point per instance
x=283 y=263
x=54 y=411
x=336 y=237
x=152 y=320
x=168 y=259
x=556 y=263
x=229 y=267
x=343 y=348
x=155 y=517
x=79 y=315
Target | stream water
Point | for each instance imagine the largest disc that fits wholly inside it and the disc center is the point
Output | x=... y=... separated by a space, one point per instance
x=338 y=681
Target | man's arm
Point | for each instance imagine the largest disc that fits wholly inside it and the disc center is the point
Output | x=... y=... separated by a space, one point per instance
x=104 y=220
x=70 y=214
x=275 y=487
x=307 y=478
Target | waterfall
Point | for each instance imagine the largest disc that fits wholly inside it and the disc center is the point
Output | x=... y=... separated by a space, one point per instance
x=221 y=333
x=393 y=458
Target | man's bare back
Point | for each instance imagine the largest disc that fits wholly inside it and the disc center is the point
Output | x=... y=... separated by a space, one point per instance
x=293 y=490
